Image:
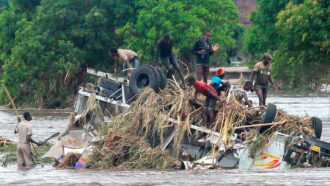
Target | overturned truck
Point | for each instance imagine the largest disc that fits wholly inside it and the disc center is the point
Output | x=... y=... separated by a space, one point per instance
x=148 y=121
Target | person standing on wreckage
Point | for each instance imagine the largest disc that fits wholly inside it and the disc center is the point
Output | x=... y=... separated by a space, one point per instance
x=210 y=101
x=24 y=153
x=203 y=50
x=263 y=71
x=164 y=52
x=128 y=56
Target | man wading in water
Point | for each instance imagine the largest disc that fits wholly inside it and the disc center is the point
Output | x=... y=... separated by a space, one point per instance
x=24 y=153
x=263 y=71
x=203 y=50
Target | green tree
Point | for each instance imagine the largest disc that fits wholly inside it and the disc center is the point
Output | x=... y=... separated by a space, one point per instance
x=10 y=14
x=53 y=48
x=184 y=21
x=46 y=45
x=4 y=4
x=302 y=57
x=263 y=36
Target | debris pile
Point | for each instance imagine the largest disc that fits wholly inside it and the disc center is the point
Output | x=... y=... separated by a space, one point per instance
x=69 y=160
x=133 y=138
x=130 y=136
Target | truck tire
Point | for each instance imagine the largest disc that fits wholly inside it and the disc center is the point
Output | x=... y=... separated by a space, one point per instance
x=142 y=77
x=317 y=126
x=268 y=117
x=163 y=82
x=158 y=78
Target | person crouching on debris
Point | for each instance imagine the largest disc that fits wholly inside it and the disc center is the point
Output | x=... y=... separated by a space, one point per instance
x=164 y=52
x=24 y=130
x=210 y=101
x=218 y=83
x=128 y=56
x=240 y=93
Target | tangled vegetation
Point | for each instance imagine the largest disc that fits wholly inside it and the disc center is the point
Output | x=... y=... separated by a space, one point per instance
x=134 y=138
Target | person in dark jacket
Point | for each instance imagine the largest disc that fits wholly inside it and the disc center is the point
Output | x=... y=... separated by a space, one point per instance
x=164 y=52
x=203 y=50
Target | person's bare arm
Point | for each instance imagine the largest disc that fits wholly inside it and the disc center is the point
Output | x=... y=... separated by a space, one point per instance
x=16 y=128
x=128 y=63
x=116 y=64
x=229 y=86
x=29 y=137
x=270 y=79
x=252 y=75
x=195 y=95
x=247 y=100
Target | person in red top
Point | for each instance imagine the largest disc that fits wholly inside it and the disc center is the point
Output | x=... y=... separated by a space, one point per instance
x=210 y=101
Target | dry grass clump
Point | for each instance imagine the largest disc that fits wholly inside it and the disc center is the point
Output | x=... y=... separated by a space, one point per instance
x=128 y=138
x=69 y=160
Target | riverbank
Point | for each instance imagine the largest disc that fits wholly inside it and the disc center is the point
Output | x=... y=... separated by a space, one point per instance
x=54 y=110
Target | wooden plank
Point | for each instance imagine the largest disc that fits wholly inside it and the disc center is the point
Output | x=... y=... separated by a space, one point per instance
x=263 y=124
x=11 y=100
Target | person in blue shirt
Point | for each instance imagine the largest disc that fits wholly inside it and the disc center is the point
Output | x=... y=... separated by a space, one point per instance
x=218 y=83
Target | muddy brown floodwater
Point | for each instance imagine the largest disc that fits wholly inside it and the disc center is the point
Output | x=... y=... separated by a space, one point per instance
x=46 y=123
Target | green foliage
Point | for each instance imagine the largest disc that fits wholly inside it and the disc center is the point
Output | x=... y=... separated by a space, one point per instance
x=45 y=55
x=4 y=4
x=10 y=14
x=9 y=158
x=302 y=57
x=184 y=21
x=263 y=36
x=46 y=45
x=238 y=36
x=42 y=150
x=8 y=148
x=297 y=33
